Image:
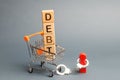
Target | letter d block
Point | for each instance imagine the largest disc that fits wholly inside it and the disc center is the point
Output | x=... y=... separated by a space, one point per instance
x=50 y=55
x=48 y=16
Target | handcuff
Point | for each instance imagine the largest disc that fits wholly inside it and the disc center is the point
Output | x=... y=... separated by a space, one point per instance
x=66 y=71
x=82 y=66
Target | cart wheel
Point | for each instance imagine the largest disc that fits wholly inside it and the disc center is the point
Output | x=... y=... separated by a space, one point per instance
x=30 y=70
x=51 y=75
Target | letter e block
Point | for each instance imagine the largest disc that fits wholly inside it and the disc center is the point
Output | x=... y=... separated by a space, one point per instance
x=48 y=28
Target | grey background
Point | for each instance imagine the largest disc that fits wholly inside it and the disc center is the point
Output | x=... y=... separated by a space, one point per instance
x=91 y=26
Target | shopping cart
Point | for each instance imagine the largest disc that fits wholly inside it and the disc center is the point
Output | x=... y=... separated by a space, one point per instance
x=37 y=55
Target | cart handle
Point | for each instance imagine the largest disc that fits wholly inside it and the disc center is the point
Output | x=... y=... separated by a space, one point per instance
x=27 y=37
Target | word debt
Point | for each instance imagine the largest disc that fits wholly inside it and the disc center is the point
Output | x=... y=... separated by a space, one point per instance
x=49 y=34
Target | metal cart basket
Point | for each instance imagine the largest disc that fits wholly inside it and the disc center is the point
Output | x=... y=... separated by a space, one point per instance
x=38 y=59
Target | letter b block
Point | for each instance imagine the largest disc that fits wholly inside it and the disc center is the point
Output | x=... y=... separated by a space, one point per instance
x=49 y=39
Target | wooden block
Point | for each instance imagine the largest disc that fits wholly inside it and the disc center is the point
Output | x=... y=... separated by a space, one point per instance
x=48 y=16
x=49 y=34
x=49 y=39
x=48 y=28
x=52 y=50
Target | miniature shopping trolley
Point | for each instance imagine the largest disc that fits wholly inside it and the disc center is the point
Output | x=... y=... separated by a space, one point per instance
x=37 y=55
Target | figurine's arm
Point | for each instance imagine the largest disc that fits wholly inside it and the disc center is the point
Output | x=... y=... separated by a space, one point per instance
x=27 y=37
